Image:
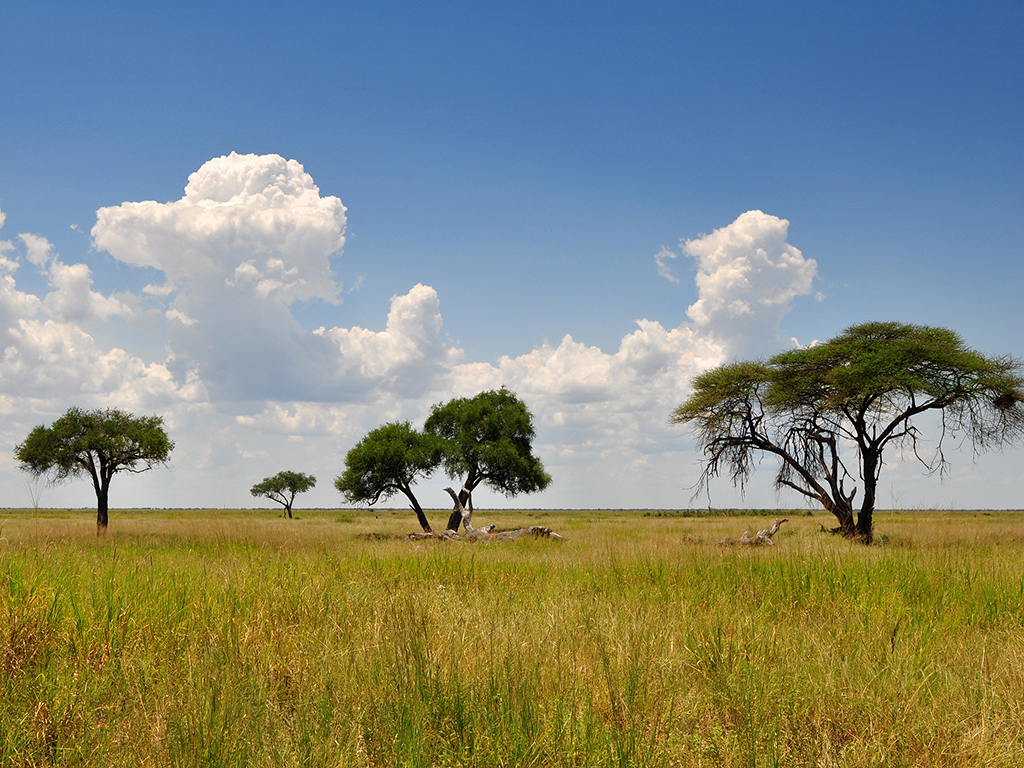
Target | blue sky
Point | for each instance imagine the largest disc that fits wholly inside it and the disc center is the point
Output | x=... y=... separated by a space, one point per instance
x=523 y=164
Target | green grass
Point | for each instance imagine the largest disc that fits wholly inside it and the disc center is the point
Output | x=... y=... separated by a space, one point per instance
x=238 y=638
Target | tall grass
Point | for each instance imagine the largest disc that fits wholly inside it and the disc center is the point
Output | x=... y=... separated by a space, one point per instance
x=217 y=639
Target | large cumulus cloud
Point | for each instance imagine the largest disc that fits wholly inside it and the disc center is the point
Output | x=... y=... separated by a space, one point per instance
x=747 y=277
x=256 y=222
x=247 y=390
x=251 y=236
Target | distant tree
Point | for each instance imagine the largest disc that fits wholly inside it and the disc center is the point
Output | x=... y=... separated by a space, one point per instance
x=388 y=461
x=282 y=488
x=98 y=443
x=487 y=439
x=829 y=412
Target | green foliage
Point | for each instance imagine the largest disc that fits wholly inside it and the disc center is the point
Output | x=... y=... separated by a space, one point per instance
x=387 y=461
x=81 y=440
x=859 y=394
x=489 y=438
x=886 y=369
x=282 y=488
x=98 y=443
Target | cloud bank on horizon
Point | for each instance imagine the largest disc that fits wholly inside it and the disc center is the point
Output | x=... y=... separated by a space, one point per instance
x=246 y=390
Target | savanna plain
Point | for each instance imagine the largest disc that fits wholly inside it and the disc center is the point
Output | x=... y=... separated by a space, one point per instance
x=239 y=638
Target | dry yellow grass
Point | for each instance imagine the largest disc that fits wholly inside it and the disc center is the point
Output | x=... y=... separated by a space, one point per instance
x=239 y=638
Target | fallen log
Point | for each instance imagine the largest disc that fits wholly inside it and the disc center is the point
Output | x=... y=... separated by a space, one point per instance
x=487 y=532
x=763 y=538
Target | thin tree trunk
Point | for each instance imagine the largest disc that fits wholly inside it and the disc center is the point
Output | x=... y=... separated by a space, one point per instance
x=420 y=516
x=101 y=482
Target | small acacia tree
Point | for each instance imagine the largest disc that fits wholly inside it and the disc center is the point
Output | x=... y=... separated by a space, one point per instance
x=282 y=488
x=487 y=439
x=830 y=411
x=98 y=443
x=388 y=461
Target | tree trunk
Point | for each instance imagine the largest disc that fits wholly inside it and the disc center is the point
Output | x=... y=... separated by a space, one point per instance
x=843 y=512
x=865 y=526
x=867 y=507
x=101 y=484
x=465 y=514
x=420 y=516
x=465 y=499
x=454 y=521
x=101 y=510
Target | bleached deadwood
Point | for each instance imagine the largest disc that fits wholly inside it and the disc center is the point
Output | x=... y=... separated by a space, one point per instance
x=473 y=534
x=540 y=531
x=421 y=535
x=485 y=533
x=763 y=538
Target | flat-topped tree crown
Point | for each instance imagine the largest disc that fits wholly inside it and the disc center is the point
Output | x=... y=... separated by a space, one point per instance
x=829 y=411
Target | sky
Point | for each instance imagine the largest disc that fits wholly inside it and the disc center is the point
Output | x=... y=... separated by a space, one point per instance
x=279 y=226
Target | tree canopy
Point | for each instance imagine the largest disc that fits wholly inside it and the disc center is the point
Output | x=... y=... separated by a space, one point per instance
x=389 y=460
x=282 y=488
x=487 y=439
x=98 y=443
x=828 y=412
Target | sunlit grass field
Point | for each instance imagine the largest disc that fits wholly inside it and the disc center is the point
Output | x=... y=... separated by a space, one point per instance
x=239 y=638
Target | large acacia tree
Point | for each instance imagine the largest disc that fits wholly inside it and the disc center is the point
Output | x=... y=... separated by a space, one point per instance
x=487 y=439
x=829 y=412
x=98 y=443
x=387 y=461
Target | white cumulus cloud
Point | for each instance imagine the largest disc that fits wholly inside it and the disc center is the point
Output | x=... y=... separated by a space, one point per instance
x=407 y=358
x=747 y=276
x=255 y=220
x=246 y=390
x=71 y=298
x=252 y=235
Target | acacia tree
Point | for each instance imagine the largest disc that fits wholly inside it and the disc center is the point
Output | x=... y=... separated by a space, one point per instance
x=282 y=488
x=829 y=412
x=388 y=461
x=98 y=443
x=487 y=439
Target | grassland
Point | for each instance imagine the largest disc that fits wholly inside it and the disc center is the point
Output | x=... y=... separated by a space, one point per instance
x=235 y=638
